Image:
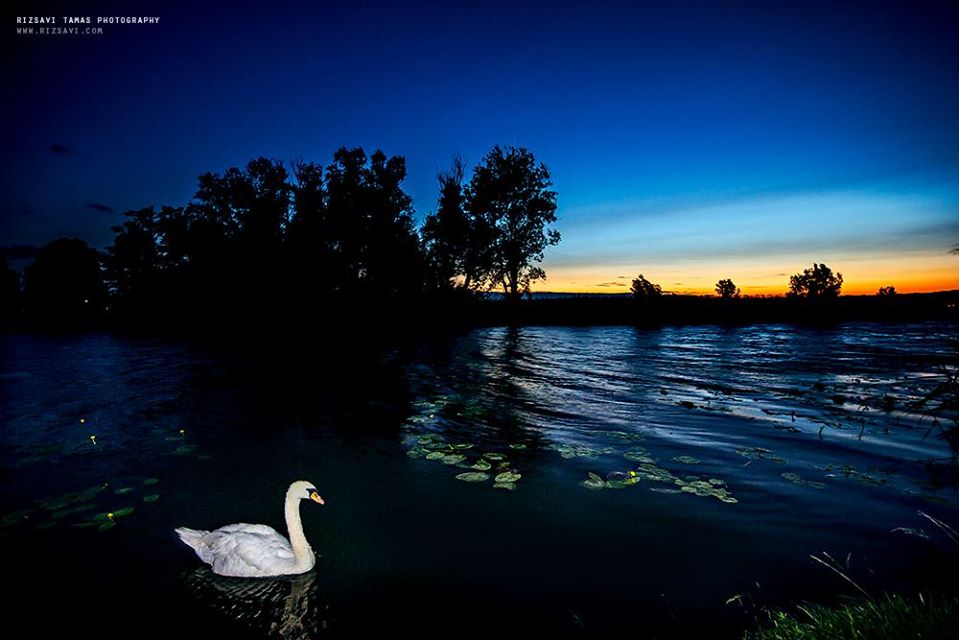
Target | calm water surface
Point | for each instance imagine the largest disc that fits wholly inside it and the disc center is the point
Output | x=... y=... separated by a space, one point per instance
x=721 y=459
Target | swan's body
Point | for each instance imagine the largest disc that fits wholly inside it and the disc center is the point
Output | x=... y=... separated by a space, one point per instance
x=256 y=550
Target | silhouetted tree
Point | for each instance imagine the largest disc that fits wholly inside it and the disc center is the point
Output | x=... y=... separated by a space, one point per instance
x=726 y=289
x=310 y=241
x=819 y=282
x=448 y=234
x=9 y=293
x=64 y=286
x=370 y=221
x=509 y=197
x=133 y=263
x=886 y=291
x=643 y=289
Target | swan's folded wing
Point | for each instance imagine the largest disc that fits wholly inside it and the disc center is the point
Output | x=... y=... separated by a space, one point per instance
x=249 y=550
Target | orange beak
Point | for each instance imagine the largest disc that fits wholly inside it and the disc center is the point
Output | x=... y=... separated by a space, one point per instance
x=315 y=497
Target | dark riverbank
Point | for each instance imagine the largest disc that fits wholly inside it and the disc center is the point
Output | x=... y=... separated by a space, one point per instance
x=377 y=319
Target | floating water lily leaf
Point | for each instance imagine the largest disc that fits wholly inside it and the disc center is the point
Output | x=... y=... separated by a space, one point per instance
x=594 y=477
x=508 y=476
x=122 y=491
x=664 y=490
x=151 y=498
x=103 y=517
x=686 y=459
x=453 y=458
x=495 y=457
x=759 y=453
x=185 y=449
x=638 y=455
x=106 y=526
x=150 y=481
x=62 y=513
x=570 y=451
x=482 y=465
x=435 y=455
x=517 y=446
x=595 y=485
x=125 y=511
x=473 y=476
x=796 y=479
x=462 y=446
x=716 y=482
x=16 y=517
x=509 y=486
x=416 y=453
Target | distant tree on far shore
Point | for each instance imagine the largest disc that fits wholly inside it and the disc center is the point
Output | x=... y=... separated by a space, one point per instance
x=886 y=291
x=726 y=289
x=819 y=282
x=643 y=289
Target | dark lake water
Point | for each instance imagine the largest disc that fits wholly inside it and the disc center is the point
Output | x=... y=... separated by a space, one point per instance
x=752 y=448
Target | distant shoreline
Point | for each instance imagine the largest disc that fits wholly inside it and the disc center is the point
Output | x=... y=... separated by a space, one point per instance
x=373 y=321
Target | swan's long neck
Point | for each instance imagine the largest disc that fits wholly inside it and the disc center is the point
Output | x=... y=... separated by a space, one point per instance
x=302 y=552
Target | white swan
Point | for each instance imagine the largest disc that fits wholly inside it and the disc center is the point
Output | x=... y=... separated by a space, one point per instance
x=256 y=550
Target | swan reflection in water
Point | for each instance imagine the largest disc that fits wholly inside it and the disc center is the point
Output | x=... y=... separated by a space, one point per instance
x=281 y=607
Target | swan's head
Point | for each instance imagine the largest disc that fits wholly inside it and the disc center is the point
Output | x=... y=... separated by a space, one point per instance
x=305 y=491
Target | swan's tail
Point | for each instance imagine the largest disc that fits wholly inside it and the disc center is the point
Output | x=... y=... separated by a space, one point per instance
x=193 y=538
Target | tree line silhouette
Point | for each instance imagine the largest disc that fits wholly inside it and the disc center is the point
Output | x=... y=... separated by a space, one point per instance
x=265 y=241
x=305 y=245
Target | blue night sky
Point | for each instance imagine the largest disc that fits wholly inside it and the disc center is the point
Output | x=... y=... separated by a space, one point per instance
x=687 y=140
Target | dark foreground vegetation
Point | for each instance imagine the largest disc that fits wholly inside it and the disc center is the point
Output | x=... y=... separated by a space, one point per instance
x=890 y=618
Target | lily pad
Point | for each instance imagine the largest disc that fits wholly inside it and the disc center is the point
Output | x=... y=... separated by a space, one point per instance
x=508 y=476
x=16 y=517
x=122 y=491
x=150 y=481
x=473 y=476
x=594 y=482
x=151 y=498
x=125 y=511
x=517 y=445
x=106 y=526
x=796 y=479
x=453 y=458
x=687 y=459
x=462 y=446
x=495 y=457
x=508 y=486
x=481 y=465
x=664 y=490
x=435 y=455
x=62 y=513
x=184 y=449
x=639 y=455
